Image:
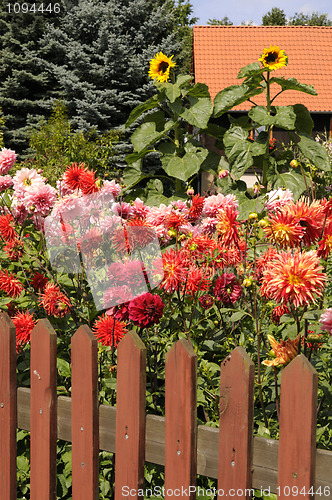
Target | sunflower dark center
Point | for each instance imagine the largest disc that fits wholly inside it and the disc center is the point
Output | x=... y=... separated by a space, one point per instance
x=271 y=57
x=163 y=66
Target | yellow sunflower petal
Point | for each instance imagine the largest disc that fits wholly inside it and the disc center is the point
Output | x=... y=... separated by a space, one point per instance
x=273 y=57
x=160 y=67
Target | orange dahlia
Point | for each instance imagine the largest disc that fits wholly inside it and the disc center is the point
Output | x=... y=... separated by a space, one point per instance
x=296 y=278
x=72 y=176
x=311 y=217
x=88 y=182
x=284 y=230
x=227 y=226
x=109 y=331
x=284 y=351
x=325 y=245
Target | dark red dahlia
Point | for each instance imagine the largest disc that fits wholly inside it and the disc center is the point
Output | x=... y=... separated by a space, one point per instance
x=227 y=289
x=146 y=310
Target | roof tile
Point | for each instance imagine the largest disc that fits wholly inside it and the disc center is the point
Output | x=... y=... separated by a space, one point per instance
x=220 y=52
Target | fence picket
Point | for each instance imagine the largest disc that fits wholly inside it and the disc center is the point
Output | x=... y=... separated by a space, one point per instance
x=7 y=408
x=130 y=417
x=236 y=423
x=43 y=412
x=297 y=442
x=180 y=420
x=84 y=415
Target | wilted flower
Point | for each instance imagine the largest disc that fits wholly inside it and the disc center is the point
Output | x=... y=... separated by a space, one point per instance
x=284 y=351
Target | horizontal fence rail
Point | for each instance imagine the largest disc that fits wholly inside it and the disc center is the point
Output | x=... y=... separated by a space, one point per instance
x=229 y=453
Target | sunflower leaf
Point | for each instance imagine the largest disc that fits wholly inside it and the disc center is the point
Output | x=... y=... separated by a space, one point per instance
x=249 y=70
x=232 y=96
x=133 y=174
x=172 y=91
x=185 y=167
x=292 y=181
x=304 y=123
x=259 y=115
x=147 y=134
x=293 y=84
x=285 y=117
x=240 y=151
x=199 y=112
x=314 y=152
x=151 y=103
x=183 y=79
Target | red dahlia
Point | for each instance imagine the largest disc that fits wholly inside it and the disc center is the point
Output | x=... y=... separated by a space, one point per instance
x=72 y=176
x=88 y=182
x=146 y=310
x=9 y=284
x=227 y=289
x=24 y=323
x=39 y=281
x=54 y=301
x=7 y=231
x=109 y=331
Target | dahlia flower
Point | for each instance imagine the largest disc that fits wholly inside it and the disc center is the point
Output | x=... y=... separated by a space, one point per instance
x=109 y=331
x=216 y=202
x=72 y=176
x=227 y=226
x=284 y=230
x=7 y=160
x=146 y=310
x=284 y=351
x=294 y=278
x=5 y=182
x=24 y=180
x=227 y=289
x=40 y=199
x=9 y=284
x=278 y=198
x=326 y=320
x=24 y=323
x=54 y=302
x=7 y=231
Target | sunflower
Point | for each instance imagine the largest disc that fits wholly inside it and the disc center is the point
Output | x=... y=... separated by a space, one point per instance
x=160 y=67
x=274 y=58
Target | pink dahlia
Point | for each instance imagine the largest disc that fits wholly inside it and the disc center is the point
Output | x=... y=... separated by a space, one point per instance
x=24 y=180
x=40 y=199
x=278 y=198
x=216 y=202
x=146 y=310
x=5 y=182
x=7 y=160
x=227 y=289
x=326 y=320
x=110 y=188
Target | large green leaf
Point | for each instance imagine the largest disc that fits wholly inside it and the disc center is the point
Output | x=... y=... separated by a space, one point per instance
x=292 y=181
x=199 y=112
x=182 y=168
x=314 y=152
x=232 y=96
x=200 y=90
x=133 y=174
x=249 y=70
x=285 y=117
x=293 y=84
x=172 y=91
x=147 y=134
x=259 y=115
x=183 y=79
x=304 y=123
x=151 y=103
x=250 y=205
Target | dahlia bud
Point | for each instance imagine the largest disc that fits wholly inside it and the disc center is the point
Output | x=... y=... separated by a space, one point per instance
x=263 y=223
x=257 y=187
x=32 y=208
x=247 y=283
x=223 y=173
x=253 y=216
x=190 y=192
x=193 y=247
x=40 y=171
x=294 y=163
x=171 y=233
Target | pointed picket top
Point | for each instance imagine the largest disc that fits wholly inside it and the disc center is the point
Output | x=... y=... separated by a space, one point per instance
x=130 y=415
x=236 y=422
x=8 y=399
x=84 y=414
x=298 y=415
x=180 y=418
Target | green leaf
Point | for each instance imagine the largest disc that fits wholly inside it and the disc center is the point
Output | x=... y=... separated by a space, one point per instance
x=314 y=152
x=63 y=367
x=214 y=130
x=292 y=181
x=259 y=115
x=304 y=123
x=147 y=134
x=172 y=91
x=156 y=200
x=246 y=206
x=22 y=463
x=183 y=79
x=200 y=90
x=249 y=70
x=232 y=96
x=293 y=84
x=133 y=174
x=285 y=117
x=199 y=112
x=182 y=168
x=240 y=151
x=151 y=103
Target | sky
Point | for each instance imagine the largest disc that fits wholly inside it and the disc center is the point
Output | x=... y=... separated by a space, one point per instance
x=246 y=10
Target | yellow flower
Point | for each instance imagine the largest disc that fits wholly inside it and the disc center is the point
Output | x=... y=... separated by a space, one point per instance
x=284 y=351
x=273 y=58
x=160 y=67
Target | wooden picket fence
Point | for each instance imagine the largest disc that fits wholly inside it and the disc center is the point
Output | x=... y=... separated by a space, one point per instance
x=230 y=453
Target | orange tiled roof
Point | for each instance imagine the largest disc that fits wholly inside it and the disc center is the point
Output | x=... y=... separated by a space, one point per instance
x=220 y=52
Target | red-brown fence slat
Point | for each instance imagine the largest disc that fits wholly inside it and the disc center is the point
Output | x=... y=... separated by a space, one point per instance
x=297 y=441
x=236 y=424
x=43 y=412
x=7 y=408
x=84 y=415
x=130 y=417
x=180 y=421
